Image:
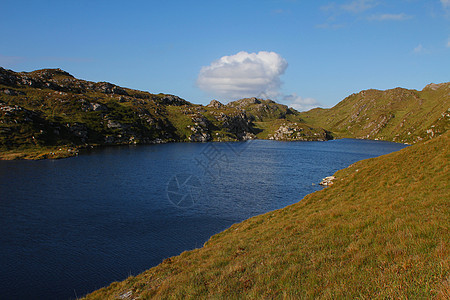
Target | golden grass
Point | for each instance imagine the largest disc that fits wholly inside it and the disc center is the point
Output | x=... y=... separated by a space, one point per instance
x=381 y=231
x=38 y=153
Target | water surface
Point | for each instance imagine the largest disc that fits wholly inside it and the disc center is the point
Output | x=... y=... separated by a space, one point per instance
x=70 y=226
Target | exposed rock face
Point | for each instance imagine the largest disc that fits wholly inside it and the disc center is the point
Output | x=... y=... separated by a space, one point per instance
x=296 y=132
x=327 y=181
x=244 y=102
x=108 y=88
x=93 y=106
x=201 y=129
x=173 y=100
x=435 y=86
x=200 y=137
x=215 y=104
x=239 y=125
x=115 y=125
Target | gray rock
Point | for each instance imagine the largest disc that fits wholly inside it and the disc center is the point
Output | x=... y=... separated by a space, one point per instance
x=10 y=92
x=200 y=137
x=115 y=125
x=215 y=104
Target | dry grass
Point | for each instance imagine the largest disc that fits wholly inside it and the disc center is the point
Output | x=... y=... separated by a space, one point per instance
x=37 y=153
x=381 y=231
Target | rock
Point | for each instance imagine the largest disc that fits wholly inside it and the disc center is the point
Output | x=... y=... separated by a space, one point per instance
x=294 y=132
x=98 y=107
x=435 y=86
x=92 y=106
x=173 y=100
x=10 y=92
x=327 y=181
x=200 y=137
x=215 y=104
x=248 y=136
x=79 y=130
x=115 y=125
x=108 y=88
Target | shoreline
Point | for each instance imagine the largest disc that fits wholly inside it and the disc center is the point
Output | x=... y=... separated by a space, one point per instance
x=64 y=151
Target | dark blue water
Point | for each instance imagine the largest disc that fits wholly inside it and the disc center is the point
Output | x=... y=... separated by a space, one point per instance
x=68 y=227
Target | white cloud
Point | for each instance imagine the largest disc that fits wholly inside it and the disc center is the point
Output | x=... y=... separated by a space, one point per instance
x=338 y=13
x=243 y=75
x=358 y=6
x=300 y=103
x=390 y=17
x=445 y=3
x=330 y=26
x=419 y=49
x=328 y=7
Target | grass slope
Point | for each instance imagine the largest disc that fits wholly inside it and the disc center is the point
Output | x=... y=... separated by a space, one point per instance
x=398 y=115
x=381 y=231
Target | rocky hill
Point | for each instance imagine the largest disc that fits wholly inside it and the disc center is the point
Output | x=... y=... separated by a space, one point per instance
x=50 y=113
x=398 y=115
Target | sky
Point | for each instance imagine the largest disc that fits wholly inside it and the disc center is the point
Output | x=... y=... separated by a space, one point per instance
x=297 y=52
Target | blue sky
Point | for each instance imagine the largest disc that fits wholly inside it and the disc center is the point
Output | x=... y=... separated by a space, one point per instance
x=300 y=53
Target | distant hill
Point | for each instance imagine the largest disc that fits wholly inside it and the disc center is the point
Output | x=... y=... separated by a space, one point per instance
x=398 y=115
x=50 y=113
x=381 y=231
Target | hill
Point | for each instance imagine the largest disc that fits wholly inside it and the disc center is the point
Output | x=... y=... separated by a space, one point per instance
x=398 y=115
x=380 y=231
x=50 y=113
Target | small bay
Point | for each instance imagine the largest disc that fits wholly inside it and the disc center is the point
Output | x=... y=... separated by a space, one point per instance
x=71 y=226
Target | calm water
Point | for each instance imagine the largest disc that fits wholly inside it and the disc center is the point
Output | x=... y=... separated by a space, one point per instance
x=70 y=226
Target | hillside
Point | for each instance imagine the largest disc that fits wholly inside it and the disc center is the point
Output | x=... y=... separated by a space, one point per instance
x=381 y=231
x=398 y=115
x=50 y=113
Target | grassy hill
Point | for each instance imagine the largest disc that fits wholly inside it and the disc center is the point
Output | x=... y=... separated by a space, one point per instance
x=398 y=115
x=50 y=113
x=381 y=231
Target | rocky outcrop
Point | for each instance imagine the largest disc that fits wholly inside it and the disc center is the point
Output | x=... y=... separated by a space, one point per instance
x=173 y=100
x=200 y=129
x=327 y=181
x=298 y=132
x=215 y=104
x=200 y=137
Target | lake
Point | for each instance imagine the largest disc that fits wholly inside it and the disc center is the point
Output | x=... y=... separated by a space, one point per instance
x=70 y=226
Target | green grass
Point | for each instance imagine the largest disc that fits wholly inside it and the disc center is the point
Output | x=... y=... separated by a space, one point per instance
x=398 y=115
x=36 y=153
x=380 y=232
x=57 y=103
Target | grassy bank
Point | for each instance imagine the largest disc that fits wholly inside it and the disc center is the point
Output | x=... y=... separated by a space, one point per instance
x=36 y=153
x=381 y=231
